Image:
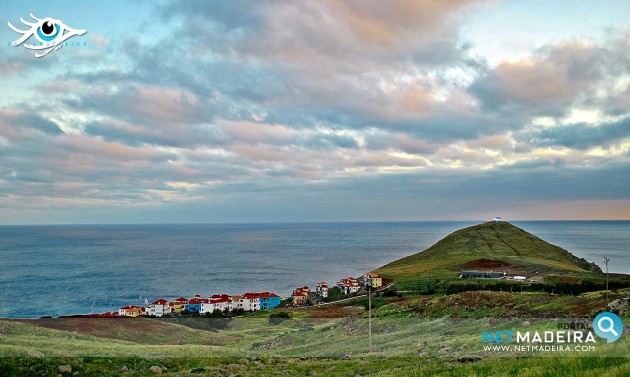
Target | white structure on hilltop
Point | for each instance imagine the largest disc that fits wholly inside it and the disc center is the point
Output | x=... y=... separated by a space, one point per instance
x=497 y=219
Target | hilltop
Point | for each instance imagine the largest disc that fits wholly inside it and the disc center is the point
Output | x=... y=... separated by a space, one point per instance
x=498 y=246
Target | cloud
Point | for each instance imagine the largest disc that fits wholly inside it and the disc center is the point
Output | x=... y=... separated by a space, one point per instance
x=583 y=136
x=554 y=78
x=323 y=106
x=16 y=123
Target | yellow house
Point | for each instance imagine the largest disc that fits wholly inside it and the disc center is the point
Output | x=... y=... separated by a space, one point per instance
x=129 y=311
x=179 y=304
x=377 y=281
x=300 y=296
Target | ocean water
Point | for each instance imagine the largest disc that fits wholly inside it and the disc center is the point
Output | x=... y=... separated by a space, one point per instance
x=80 y=269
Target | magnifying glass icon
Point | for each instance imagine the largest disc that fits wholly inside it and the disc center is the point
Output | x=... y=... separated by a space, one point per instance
x=610 y=328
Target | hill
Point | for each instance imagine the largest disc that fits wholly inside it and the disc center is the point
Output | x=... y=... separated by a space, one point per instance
x=498 y=246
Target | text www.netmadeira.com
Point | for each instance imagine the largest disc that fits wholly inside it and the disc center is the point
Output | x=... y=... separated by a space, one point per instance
x=540 y=348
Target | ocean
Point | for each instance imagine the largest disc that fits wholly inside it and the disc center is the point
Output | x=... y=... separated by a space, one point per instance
x=81 y=269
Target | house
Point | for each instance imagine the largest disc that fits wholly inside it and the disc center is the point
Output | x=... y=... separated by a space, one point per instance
x=250 y=302
x=222 y=302
x=349 y=285
x=377 y=281
x=178 y=305
x=130 y=311
x=472 y=274
x=497 y=219
x=300 y=297
x=194 y=304
x=205 y=306
x=269 y=300
x=237 y=303
x=159 y=308
x=321 y=289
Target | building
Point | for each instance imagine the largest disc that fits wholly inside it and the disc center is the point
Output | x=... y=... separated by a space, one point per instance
x=321 y=289
x=377 y=280
x=178 y=305
x=250 y=302
x=481 y=275
x=497 y=219
x=130 y=311
x=223 y=302
x=300 y=295
x=205 y=306
x=237 y=303
x=269 y=300
x=349 y=285
x=194 y=304
x=159 y=308
x=300 y=298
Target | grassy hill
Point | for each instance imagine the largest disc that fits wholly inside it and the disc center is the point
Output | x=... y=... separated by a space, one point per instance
x=412 y=336
x=498 y=246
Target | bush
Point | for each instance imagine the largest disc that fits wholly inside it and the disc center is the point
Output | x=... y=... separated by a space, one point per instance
x=389 y=293
x=277 y=318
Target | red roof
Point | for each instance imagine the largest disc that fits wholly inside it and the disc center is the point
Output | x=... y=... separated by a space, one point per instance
x=250 y=295
x=197 y=300
x=371 y=274
x=160 y=302
x=220 y=300
x=128 y=307
x=221 y=296
x=181 y=299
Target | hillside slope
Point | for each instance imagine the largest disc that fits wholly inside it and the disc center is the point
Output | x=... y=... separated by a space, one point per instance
x=498 y=246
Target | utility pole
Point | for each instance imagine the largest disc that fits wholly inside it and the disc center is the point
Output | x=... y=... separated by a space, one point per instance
x=368 y=283
x=606 y=263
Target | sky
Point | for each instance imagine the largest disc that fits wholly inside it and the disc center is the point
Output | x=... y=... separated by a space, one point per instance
x=329 y=110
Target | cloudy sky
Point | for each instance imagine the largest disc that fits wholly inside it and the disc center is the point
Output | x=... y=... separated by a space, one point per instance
x=265 y=111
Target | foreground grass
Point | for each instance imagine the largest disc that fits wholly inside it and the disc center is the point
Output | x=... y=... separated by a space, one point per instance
x=412 y=336
x=364 y=366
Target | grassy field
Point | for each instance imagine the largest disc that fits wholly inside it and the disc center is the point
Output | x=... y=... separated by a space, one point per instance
x=412 y=336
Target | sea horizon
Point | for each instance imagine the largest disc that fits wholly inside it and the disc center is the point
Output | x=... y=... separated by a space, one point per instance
x=86 y=268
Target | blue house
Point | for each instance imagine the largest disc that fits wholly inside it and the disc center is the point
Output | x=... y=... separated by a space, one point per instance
x=269 y=300
x=194 y=305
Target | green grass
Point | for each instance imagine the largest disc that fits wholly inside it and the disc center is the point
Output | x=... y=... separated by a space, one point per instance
x=496 y=241
x=412 y=336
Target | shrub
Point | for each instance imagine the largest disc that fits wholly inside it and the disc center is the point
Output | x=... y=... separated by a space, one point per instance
x=277 y=318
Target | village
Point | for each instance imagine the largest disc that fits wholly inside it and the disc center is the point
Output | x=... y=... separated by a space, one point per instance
x=223 y=304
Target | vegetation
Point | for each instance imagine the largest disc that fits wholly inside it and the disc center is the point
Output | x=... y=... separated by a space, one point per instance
x=497 y=246
x=429 y=323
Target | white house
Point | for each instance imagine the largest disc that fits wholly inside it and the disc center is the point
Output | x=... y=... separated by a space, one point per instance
x=321 y=289
x=250 y=301
x=159 y=308
x=206 y=306
x=222 y=302
x=237 y=302
x=349 y=285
